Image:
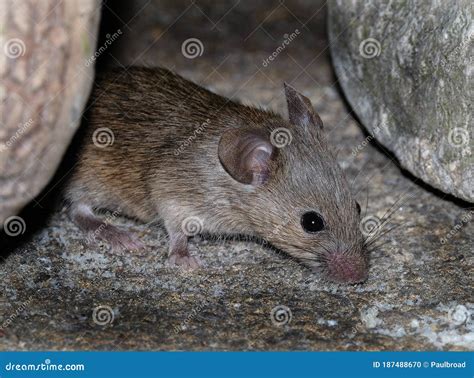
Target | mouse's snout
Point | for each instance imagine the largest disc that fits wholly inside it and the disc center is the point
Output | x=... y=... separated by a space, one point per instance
x=346 y=268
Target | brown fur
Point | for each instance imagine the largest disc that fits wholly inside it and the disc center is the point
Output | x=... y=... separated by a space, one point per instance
x=148 y=174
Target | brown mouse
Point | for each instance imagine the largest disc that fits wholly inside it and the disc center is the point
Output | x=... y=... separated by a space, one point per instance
x=157 y=146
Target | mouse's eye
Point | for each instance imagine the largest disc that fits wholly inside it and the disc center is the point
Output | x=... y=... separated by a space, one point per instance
x=358 y=207
x=312 y=221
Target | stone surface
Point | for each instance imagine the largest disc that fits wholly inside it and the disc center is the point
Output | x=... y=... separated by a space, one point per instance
x=44 y=83
x=406 y=69
x=419 y=292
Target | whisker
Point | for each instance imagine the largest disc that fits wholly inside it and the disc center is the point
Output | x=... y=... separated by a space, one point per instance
x=378 y=246
x=366 y=203
x=358 y=173
x=389 y=214
x=376 y=237
x=393 y=205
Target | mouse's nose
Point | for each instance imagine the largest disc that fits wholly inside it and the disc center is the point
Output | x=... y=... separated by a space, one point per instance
x=344 y=268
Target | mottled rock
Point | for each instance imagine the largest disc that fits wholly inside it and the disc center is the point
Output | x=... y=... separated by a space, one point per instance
x=406 y=69
x=45 y=82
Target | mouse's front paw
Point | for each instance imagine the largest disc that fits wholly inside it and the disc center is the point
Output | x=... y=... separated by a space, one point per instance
x=184 y=261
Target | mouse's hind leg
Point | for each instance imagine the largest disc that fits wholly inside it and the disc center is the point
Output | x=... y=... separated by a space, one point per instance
x=96 y=228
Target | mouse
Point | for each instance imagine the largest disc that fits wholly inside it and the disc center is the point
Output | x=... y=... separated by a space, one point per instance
x=156 y=146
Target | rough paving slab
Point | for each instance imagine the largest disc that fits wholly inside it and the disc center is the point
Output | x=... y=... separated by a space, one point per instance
x=419 y=294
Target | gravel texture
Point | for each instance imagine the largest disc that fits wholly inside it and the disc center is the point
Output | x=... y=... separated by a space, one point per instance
x=59 y=292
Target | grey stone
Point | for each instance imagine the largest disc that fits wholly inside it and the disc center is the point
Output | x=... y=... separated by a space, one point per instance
x=406 y=70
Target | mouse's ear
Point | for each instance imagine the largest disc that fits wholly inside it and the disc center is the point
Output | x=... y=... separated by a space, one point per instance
x=300 y=109
x=246 y=155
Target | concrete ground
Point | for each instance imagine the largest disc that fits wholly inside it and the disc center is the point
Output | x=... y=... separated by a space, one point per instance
x=60 y=293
